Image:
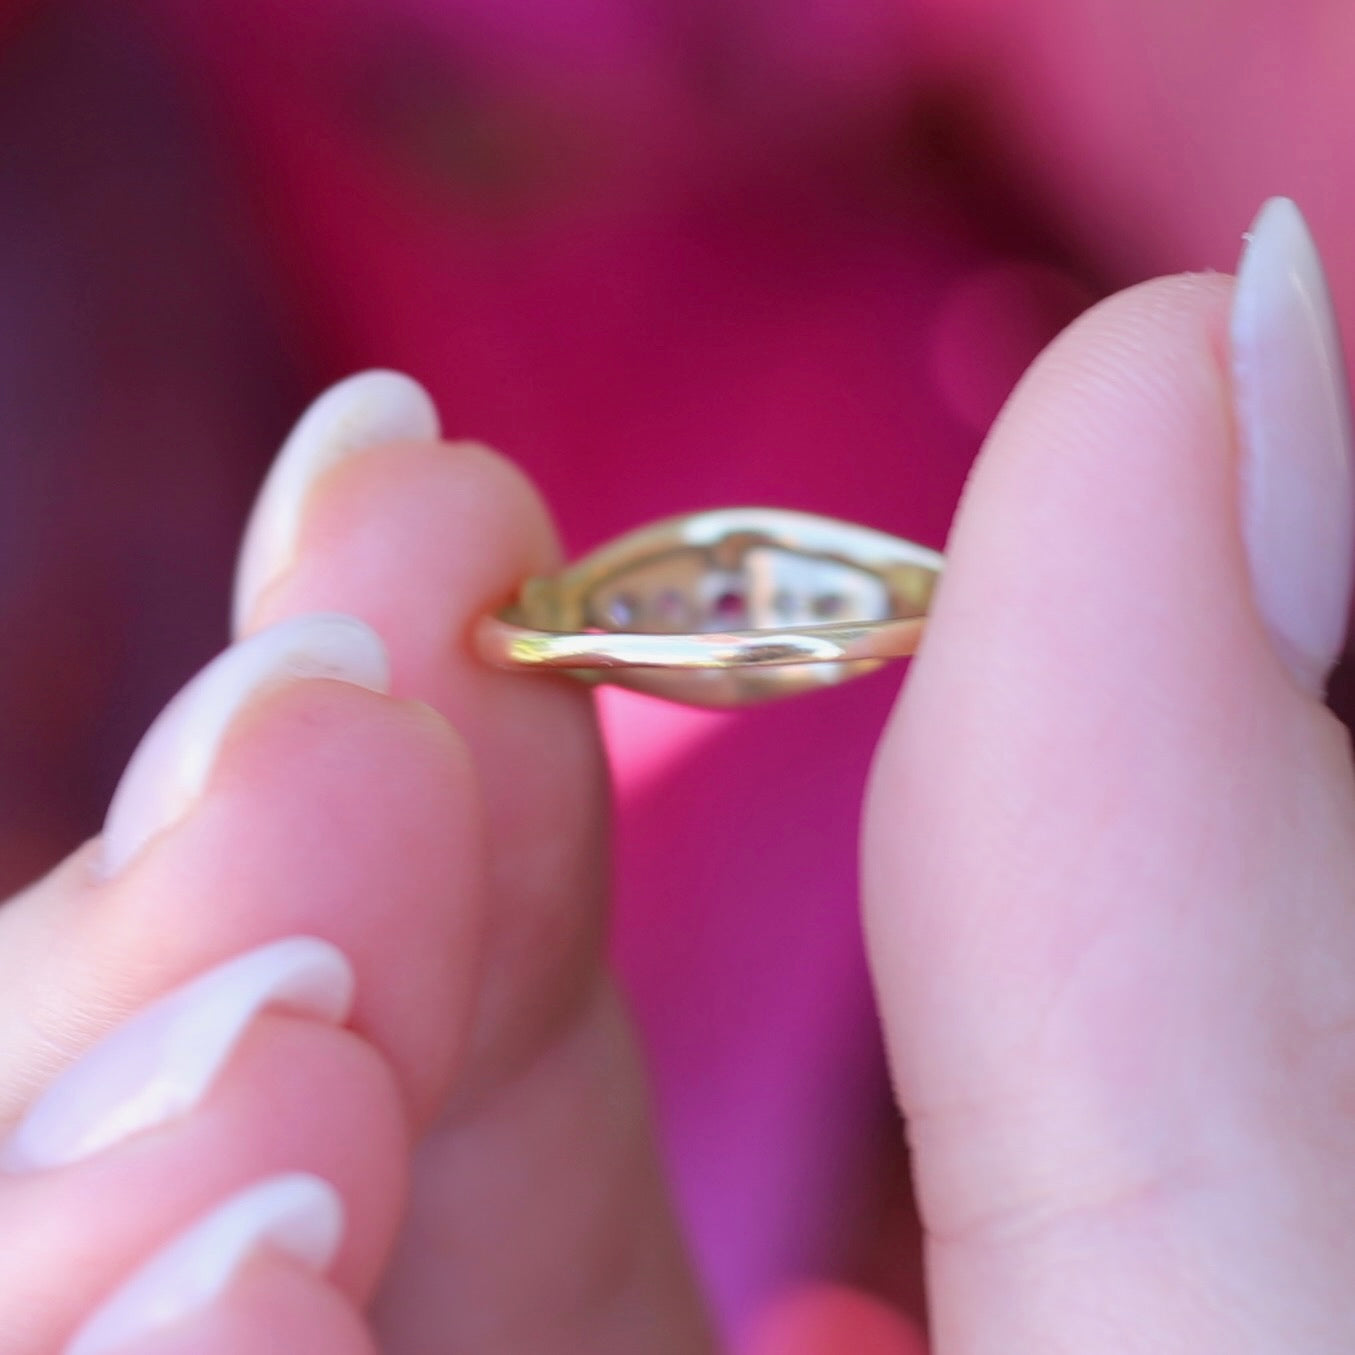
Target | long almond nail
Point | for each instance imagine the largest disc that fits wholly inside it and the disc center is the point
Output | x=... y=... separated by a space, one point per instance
x=363 y=411
x=1293 y=412
x=298 y=1215
x=171 y=765
x=160 y=1063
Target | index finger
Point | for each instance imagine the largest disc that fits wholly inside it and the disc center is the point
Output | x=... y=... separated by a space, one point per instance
x=543 y=1169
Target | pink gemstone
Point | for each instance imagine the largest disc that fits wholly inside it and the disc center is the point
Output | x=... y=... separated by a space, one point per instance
x=729 y=608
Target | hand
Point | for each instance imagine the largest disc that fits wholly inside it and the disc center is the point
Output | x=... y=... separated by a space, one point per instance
x=1107 y=859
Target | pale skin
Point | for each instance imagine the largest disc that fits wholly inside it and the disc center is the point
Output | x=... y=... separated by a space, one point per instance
x=1107 y=875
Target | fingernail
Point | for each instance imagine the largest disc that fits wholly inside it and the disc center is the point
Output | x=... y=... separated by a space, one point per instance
x=171 y=764
x=1293 y=411
x=363 y=411
x=298 y=1215
x=161 y=1062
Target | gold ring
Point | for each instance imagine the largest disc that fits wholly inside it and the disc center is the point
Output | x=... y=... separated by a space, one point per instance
x=723 y=608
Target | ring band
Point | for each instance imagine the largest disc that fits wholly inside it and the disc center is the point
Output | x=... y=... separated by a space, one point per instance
x=723 y=608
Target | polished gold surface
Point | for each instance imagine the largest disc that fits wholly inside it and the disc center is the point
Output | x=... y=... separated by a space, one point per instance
x=723 y=608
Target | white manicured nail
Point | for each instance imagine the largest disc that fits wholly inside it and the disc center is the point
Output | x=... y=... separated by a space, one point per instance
x=1293 y=413
x=161 y=1062
x=363 y=411
x=299 y=1215
x=171 y=764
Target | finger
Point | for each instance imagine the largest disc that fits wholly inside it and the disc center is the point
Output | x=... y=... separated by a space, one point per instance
x=1110 y=843
x=241 y=1279
x=272 y=1304
x=545 y=1150
x=418 y=539
x=248 y=813
x=241 y=1074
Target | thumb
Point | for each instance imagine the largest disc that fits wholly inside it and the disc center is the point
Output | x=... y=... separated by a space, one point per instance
x=1111 y=839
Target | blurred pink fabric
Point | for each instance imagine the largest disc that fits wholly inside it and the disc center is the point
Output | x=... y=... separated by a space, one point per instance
x=665 y=256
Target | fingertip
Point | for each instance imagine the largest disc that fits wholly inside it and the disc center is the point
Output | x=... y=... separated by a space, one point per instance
x=174 y=760
x=295 y=1216
x=274 y=1304
x=1096 y=579
x=418 y=538
x=1108 y=484
x=356 y=414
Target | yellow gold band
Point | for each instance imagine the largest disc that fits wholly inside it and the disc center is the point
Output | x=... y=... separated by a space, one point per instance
x=723 y=607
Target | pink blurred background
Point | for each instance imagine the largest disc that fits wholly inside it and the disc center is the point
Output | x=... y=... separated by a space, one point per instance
x=666 y=254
